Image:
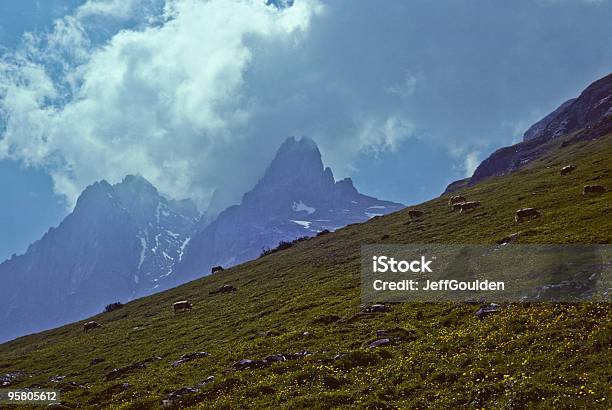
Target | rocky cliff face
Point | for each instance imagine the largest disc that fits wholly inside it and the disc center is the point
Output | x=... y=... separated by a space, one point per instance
x=593 y=105
x=589 y=116
x=296 y=197
x=117 y=244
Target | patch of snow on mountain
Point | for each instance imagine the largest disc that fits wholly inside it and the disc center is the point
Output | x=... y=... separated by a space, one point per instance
x=182 y=249
x=172 y=234
x=143 y=249
x=372 y=215
x=377 y=207
x=301 y=206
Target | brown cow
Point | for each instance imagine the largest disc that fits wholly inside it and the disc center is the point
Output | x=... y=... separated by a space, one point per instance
x=457 y=199
x=468 y=206
x=526 y=213
x=568 y=169
x=181 y=306
x=90 y=326
x=415 y=213
x=593 y=190
x=216 y=269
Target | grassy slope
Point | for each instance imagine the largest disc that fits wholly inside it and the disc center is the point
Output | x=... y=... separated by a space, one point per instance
x=537 y=356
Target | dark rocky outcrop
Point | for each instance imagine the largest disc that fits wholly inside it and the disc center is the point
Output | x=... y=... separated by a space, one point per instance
x=486 y=311
x=589 y=116
x=8 y=378
x=189 y=357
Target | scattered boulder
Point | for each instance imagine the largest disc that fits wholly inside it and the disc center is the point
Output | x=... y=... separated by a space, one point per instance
x=58 y=406
x=508 y=239
x=120 y=371
x=473 y=302
x=207 y=380
x=113 y=306
x=415 y=213
x=485 y=311
x=379 y=342
x=398 y=334
x=323 y=232
x=95 y=361
x=10 y=377
x=298 y=355
x=246 y=364
x=69 y=386
x=56 y=379
x=593 y=190
x=189 y=357
x=224 y=289
x=216 y=269
x=377 y=308
x=275 y=358
x=526 y=214
x=178 y=394
x=568 y=169
x=90 y=326
x=182 y=306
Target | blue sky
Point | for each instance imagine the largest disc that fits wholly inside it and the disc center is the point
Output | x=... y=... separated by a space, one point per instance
x=197 y=95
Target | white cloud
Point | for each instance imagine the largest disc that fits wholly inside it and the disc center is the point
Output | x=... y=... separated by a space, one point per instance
x=164 y=101
x=197 y=94
x=378 y=135
x=121 y=9
x=406 y=87
x=471 y=161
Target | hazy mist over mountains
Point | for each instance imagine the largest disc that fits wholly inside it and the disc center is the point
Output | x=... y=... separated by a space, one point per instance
x=126 y=240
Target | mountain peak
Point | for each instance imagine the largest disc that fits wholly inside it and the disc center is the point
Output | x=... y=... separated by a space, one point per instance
x=95 y=194
x=136 y=182
x=297 y=161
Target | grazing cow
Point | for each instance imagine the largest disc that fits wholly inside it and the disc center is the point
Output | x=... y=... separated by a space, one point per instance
x=216 y=269
x=90 y=326
x=457 y=199
x=468 y=206
x=181 y=306
x=568 y=169
x=526 y=214
x=415 y=213
x=224 y=289
x=593 y=190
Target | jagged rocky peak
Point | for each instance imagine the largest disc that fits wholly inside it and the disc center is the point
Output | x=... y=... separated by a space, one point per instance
x=296 y=197
x=346 y=187
x=135 y=187
x=297 y=160
x=95 y=195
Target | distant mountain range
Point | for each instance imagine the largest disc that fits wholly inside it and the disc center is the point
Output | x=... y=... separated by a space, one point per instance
x=589 y=115
x=119 y=242
x=126 y=240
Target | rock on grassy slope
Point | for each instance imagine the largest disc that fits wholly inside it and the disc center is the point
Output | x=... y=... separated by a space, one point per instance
x=306 y=298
